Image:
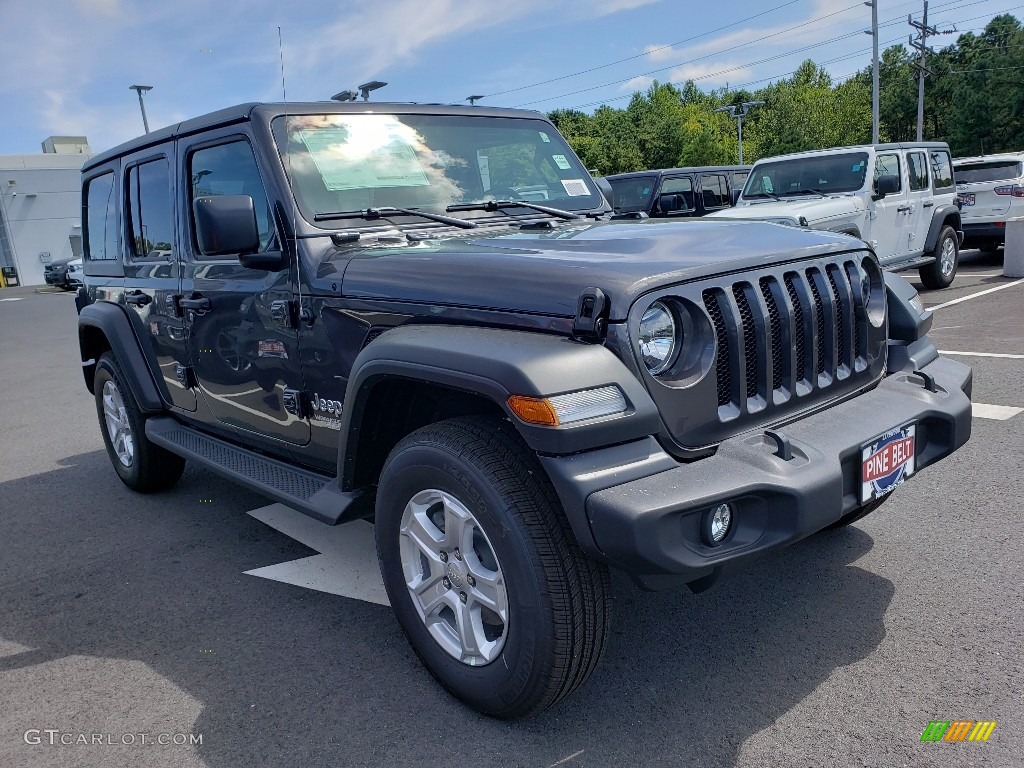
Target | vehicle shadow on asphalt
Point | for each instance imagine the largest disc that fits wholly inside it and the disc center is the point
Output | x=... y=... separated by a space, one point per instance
x=287 y=676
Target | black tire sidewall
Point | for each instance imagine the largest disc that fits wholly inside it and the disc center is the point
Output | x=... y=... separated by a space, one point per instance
x=107 y=370
x=494 y=687
x=934 y=278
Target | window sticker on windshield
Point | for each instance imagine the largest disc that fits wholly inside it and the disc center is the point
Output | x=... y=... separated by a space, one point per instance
x=561 y=162
x=857 y=166
x=544 y=137
x=575 y=187
x=353 y=157
x=484 y=164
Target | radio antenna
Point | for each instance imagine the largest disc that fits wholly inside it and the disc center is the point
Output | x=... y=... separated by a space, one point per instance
x=294 y=246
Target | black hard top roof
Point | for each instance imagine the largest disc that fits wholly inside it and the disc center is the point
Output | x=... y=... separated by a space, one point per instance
x=668 y=171
x=241 y=112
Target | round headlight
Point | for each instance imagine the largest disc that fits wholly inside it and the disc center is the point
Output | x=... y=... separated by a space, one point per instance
x=658 y=338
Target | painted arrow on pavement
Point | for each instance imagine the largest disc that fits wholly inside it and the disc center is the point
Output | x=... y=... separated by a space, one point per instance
x=346 y=565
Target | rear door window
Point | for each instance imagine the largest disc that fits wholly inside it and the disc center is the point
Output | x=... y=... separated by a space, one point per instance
x=917 y=169
x=942 y=170
x=150 y=224
x=714 y=191
x=676 y=195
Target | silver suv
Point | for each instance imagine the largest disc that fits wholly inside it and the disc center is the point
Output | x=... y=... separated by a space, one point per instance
x=991 y=191
x=900 y=198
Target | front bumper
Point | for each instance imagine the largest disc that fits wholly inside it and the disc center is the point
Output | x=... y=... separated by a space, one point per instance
x=650 y=526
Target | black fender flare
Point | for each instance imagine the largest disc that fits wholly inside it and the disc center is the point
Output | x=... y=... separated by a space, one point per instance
x=497 y=363
x=110 y=319
x=939 y=216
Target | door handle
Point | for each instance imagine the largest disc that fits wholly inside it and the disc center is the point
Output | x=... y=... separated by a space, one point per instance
x=927 y=205
x=196 y=302
x=903 y=209
x=138 y=299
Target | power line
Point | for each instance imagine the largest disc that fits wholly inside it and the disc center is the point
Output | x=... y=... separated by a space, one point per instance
x=890 y=22
x=701 y=58
x=645 y=53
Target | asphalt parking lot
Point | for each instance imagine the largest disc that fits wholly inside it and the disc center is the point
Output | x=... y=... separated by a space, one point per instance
x=123 y=614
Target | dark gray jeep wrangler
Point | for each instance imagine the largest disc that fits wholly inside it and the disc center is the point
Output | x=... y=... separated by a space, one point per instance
x=428 y=315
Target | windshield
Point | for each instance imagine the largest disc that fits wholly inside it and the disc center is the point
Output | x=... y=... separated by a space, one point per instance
x=632 y=193
x=996 y=170
x=351 y=162
x=813 y=175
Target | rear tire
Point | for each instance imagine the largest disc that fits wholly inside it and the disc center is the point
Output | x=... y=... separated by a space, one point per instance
x=142 y=465
x=940 y=273
x=476 y=475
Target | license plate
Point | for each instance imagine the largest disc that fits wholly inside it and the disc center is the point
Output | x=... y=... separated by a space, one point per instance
x=886 y=462
x=966 y=199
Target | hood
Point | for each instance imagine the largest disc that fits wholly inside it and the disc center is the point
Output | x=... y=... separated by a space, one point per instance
x=813 y=209
x=544 y=272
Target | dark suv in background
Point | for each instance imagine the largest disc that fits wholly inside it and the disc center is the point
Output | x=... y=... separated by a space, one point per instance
x=429 y=315
x=677 y=192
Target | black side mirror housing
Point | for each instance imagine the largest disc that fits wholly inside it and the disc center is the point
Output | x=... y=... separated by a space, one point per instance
x=887 y=184
x=734 y=196
x=226 y=225
x=606 y=189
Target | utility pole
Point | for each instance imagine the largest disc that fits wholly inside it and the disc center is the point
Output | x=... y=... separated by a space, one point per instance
x=874 y=69
x=738 y=113
x=921 y=46
x=139 y=89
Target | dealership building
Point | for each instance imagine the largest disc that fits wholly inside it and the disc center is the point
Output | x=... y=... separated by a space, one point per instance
x=41 y=208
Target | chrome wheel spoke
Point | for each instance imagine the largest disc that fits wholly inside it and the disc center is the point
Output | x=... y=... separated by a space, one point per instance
x=115 y=416
x=489 y=592
x=453 y=577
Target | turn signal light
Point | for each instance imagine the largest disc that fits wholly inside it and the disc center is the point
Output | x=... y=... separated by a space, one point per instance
x=533 y=410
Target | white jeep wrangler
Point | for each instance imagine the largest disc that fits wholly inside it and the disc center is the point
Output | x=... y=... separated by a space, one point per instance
x=900 y=198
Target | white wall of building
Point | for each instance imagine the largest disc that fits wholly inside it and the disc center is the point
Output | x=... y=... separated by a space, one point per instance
x=41 y=202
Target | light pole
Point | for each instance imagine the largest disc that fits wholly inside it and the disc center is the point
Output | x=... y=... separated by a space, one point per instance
x=739 y=113
x=139 y=89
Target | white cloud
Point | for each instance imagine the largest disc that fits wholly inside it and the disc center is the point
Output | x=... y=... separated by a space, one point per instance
x=606 y=7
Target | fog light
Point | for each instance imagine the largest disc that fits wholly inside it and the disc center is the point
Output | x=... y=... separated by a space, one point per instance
x=719 y=521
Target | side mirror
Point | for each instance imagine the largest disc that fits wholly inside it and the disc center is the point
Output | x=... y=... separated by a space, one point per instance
x=888 y=184
x=226 y=225
x=606 y=189
x=734 y=195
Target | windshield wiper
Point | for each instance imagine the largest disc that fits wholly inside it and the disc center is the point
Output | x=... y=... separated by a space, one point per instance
x=372 y=214
x=497 y=205
x=763 y=194
x=805 y=192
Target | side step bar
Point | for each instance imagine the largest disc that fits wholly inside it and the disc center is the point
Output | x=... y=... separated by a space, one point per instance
x=309 y=492
x=919 y=262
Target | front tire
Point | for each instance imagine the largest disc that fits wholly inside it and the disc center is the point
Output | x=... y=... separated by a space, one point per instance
x=142 y=466
x=482 y=569
x=940 y=273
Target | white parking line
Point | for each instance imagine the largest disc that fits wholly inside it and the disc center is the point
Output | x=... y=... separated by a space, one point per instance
x=976 y=295
x=997 y=412
x=17 y=298
x=980 y=354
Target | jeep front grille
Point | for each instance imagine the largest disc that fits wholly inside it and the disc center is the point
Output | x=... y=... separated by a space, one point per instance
x=771 y=335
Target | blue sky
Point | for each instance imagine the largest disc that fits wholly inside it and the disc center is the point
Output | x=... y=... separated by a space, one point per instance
x=67 y=64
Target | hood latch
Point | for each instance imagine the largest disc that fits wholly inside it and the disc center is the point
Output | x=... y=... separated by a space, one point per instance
x=591 y=322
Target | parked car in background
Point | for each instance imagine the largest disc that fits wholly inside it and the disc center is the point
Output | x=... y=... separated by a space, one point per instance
x=899 y=198
x=990 y=190
x=56 y=273
x=677 y=192
x=74 y=276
